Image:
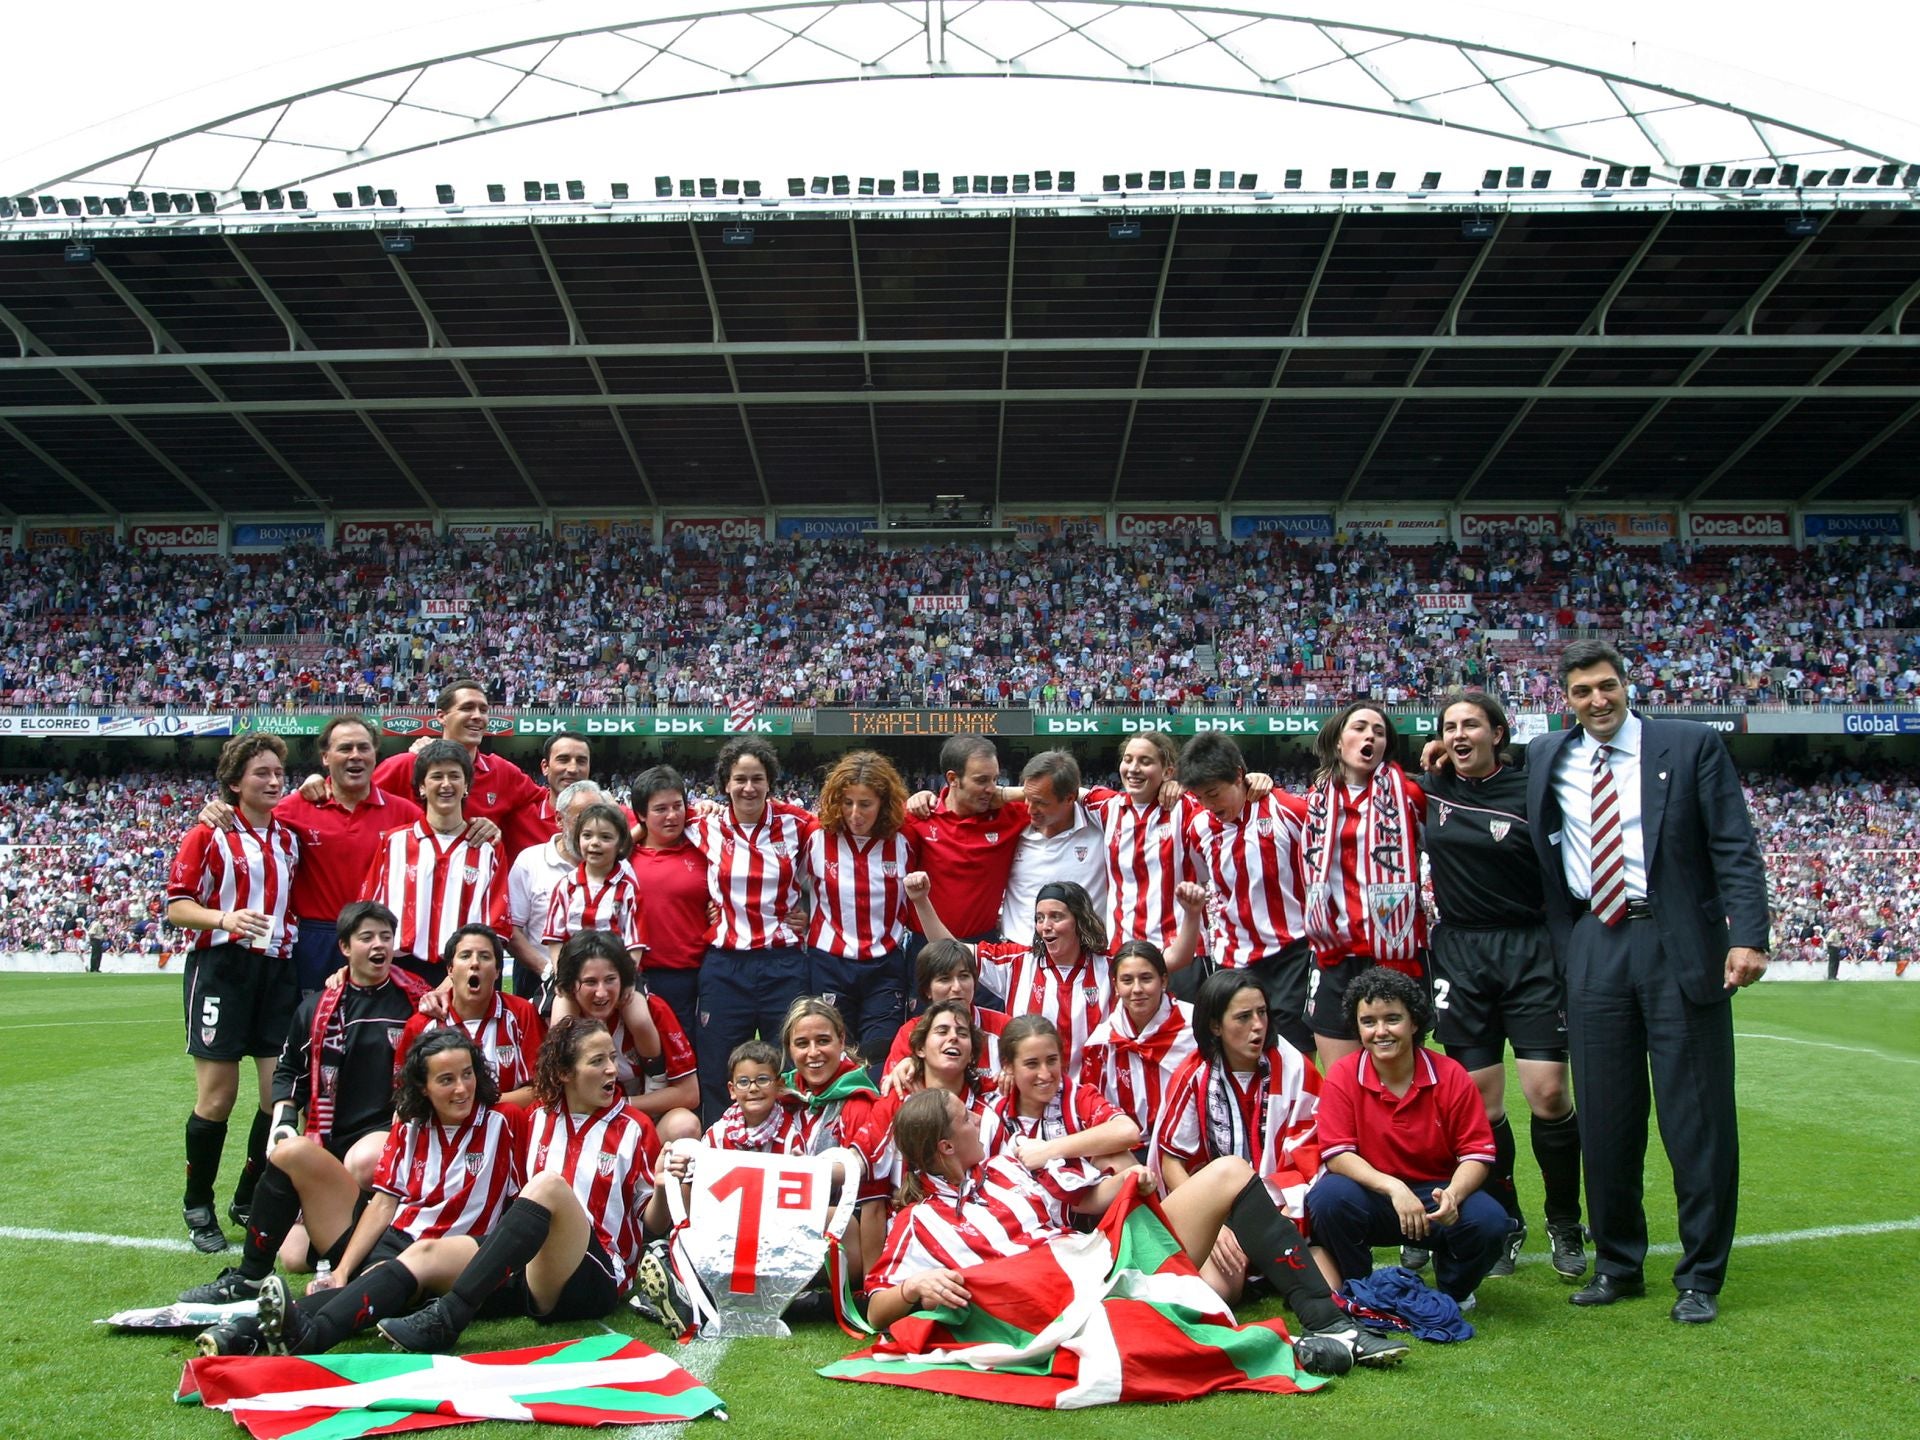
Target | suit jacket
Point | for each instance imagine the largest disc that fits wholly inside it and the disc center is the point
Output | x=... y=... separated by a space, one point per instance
x=1705 y=881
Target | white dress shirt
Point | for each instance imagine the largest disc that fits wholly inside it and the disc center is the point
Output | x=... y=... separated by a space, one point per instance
x=1573 y=784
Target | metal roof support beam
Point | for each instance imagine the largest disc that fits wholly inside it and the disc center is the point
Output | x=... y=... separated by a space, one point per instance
x=1006 y=357
x=1297 y=331
x=163 y=341
x=733 y=375
x=1595 y=324
x=439 y=339
x=1449 y=325
x=866 y=361
x=1146 y=356
x=742 y=400
x=98 y=406
x=1887 y=317
x=576 y=334
x=1585 y=339
x=1886 y=433
x=1741 y=323
x=19 y=438
x=299 y=340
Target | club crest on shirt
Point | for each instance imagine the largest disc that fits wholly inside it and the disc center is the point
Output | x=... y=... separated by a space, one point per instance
x=831 y=997
x=1498 y=829
x=492 y=798
x=472 y=1161
x=393 y=1034
x=207 y=1032
x=540 y=1159
x=1263 y=826
x=889 y=868
x=933 y=832
x=604 y=1164
x=506 y=1055
x=1080 y=852
x=1443 y=810
x=471 y=874
x=993 y=837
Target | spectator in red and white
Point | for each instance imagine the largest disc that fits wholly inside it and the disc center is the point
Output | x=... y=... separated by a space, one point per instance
x=856 y=862
x=755 y=967
x=600 y=893
x=1147 y=852
x=1248 y=851
x=433 y=874
x=531 y=880
x=233 y=890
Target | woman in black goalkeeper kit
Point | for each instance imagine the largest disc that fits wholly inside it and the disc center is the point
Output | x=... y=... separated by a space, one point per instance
x=1496 y=979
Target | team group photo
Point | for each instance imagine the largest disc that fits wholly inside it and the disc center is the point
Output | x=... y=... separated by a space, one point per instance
x=876 y=803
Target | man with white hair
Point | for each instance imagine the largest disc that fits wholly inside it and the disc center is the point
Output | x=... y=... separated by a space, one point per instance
x=536 y=871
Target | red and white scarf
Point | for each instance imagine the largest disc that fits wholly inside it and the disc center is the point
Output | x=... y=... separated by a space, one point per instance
x=781 y=1133
x=1368 y=901
x=327 y=1050
x=1268 y=1121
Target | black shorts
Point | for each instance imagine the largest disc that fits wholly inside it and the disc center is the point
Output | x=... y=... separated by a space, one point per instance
x=238 y=1002
x=1327 y=1012
x=589 y=1294
x=1495 y=987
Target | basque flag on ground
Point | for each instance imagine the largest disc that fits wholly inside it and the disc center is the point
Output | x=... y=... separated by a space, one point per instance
x=1120 y=1314
x=600 y=1380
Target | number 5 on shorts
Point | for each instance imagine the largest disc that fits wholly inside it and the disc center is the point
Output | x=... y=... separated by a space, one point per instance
x=210 y=1012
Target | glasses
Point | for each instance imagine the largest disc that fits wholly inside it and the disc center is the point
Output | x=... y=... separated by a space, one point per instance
x=753 y=1082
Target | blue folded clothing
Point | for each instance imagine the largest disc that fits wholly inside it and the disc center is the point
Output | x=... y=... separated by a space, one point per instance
x=1396 y=1294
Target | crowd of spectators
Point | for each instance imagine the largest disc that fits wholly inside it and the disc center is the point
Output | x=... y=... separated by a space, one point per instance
x=1164 y=623
x=1842 y=851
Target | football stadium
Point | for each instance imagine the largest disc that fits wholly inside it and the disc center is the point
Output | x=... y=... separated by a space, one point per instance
x=854 y=746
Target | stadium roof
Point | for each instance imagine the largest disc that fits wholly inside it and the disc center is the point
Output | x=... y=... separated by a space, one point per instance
x=1228 y=357
x=1709 y=307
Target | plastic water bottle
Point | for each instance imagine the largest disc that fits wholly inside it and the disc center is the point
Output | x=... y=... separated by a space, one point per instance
x=323 y=1275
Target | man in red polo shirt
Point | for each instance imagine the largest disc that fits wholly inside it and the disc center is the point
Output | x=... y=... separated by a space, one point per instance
x=339 y=833
x=1406 y=1144
x=502 y=792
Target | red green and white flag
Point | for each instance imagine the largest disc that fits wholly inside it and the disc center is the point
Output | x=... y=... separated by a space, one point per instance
x=1117 y=1315
x=600 y=1380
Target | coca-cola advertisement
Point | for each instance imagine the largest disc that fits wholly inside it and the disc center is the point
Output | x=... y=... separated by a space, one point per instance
x=1146 y=524
x=367 y=534
x=718 y=527
x=199 y=537
x=1479 y=524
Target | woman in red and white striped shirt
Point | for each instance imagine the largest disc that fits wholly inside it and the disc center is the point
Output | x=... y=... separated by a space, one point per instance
x=756 y=967
x=572 y=1241
x=856 y=866
x=233 y=887
x=601 y=893
x=1149 y=852
x=1132 y=1058
x=431 y=873
x=451 y=1166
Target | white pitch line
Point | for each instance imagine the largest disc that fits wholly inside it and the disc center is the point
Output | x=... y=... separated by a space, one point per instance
x=1826 y=1045
x=703 y=1358
x=89 y=1237
x=1780 y=1237
x=89 y=1024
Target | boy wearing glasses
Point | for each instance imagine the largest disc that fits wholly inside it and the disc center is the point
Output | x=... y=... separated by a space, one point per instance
x=763 y=1116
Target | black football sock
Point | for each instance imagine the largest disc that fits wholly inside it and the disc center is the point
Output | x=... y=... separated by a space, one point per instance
x=276 y=1205
x=333 y=1315
x=205 y=1140
x=256 y=1159
x=1556 y=1146
x=1278 y=1251
x=511 y=1244
x=1500 y=1183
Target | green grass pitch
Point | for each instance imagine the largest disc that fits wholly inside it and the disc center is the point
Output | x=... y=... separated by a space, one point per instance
x=1814 y=1337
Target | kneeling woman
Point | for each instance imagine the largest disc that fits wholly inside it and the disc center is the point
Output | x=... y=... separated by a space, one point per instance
x=1407 y=1146
x=961 y=1209
x=450 y=1167
x=571 y=1242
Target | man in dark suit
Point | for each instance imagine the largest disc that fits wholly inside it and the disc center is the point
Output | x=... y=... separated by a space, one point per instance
x=1657 y=899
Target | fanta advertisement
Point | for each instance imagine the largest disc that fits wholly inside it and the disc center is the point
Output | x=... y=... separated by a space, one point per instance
x=1634 y=527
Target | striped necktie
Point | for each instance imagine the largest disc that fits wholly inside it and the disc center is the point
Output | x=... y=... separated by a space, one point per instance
x=1607 y=889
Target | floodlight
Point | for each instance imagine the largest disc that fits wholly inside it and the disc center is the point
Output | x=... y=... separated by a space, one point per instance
x=619 y=190
x=496 y=194
x=93 y=205
x=343 y=198
x=1430 y=180
x=443 y=194
x=367 y=197
x=576 y=190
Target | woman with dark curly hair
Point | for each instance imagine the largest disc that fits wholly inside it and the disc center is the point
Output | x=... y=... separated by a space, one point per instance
x=449 y=1169
x=856 y=865
x=570 y=1245
x=1407 y=1146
